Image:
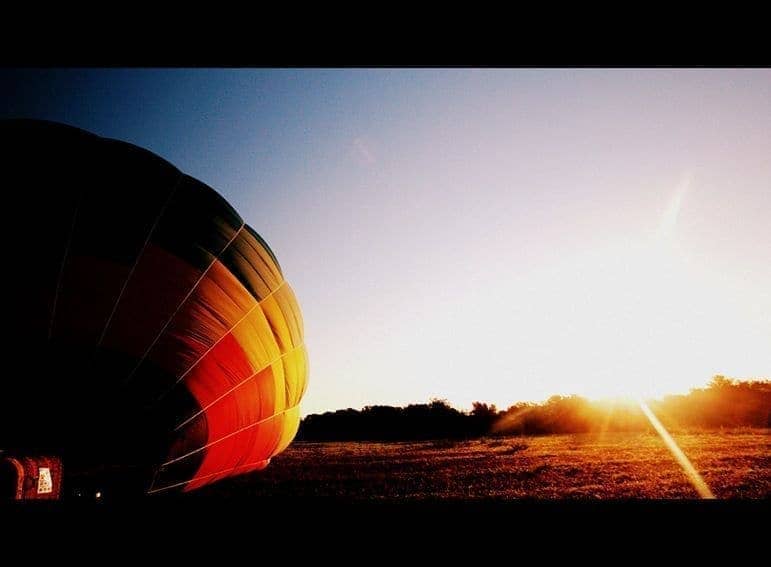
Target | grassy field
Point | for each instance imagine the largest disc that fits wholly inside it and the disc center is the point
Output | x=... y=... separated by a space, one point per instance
x=735 y=464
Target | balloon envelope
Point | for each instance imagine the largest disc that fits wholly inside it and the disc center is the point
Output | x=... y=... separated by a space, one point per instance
x=150 y=329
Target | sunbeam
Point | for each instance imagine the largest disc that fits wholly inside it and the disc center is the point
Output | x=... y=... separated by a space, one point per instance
x=690 y=471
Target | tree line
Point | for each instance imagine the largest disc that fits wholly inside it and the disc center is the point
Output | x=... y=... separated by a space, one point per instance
x=723 y=403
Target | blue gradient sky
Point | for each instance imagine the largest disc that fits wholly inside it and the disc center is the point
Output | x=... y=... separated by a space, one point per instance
x=471 y=234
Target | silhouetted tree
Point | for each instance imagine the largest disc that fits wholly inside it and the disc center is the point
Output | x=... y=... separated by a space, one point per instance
x=723 y=403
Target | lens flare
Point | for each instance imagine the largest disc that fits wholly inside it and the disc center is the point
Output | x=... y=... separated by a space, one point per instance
x=690 y=471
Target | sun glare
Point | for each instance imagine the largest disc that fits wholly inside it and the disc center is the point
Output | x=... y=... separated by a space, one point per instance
x=690 y=471
x=638 y=297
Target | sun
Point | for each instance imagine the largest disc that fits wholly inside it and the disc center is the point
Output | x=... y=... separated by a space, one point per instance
x=638 y=295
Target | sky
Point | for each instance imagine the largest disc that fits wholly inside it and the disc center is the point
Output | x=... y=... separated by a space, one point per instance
x=477 y=234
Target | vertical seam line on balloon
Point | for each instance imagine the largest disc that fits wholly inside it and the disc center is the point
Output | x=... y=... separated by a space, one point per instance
x=65 y=257
x=179 y=307
x=297 y=324
x=241 y=383
x=139 y=257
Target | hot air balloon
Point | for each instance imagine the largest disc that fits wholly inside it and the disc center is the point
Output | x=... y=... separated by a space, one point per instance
x=153 y=344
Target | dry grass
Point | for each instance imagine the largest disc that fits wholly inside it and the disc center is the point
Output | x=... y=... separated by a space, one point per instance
x=735 y=464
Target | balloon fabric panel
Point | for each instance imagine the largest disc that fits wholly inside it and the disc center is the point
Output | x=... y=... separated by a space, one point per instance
x=148 y=304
